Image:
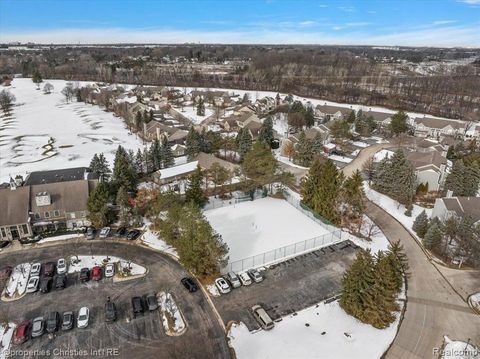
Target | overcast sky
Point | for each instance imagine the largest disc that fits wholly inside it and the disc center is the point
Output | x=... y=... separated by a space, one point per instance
x=362 y=22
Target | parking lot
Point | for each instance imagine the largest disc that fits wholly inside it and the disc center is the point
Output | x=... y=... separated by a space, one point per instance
x=143 y=336
x=290 y=286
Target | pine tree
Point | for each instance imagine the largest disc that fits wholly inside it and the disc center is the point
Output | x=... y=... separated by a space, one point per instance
x=304 y=151
x=100 y=165
x=139 y=162
x=259 y=166
x=317 y=144
x=201 y=107
x=97 y=205
x=351 y=117
x=309 y=117
x=354 y=195
x=244 y=140
x=266 y=131
x=398 y=123
x=123 y=205
x=168 y=159
x=192 y=143
x=433 y=237
x=37 y=78
x=420 y=225
x=94 y=163
x=399 y=261
x=194 y=192
x=124 y=173
x=471 y=180
x=455 y=179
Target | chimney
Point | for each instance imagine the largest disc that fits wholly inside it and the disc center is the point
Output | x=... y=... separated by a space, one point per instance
x=13 y=185
x=449 y=194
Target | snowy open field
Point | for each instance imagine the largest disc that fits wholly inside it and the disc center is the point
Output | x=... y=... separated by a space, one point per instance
x=255 y=227
x=44 y=132
x=324 y=332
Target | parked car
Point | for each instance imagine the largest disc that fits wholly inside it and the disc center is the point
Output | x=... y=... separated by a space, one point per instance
x=133 y=234
x=38 y=327
x=53 y=320
x=245 y=278
x=32 y=284
x=262 y=317
x=46 y=284
x=49 y=269
x=122 y=232
x=222 y=285
x=137 y=306
x=104 y=232
x=96 y=273
x=5 y=272
x=190 y=284
x=109 y=270
x=233 y=279
x=84 y=275
x=61 y=266
x=61 y=281
x=90 y=234
x=35 y=269
x=151 y=301
x=67 y=320
x=83 y=316
x=21 y=333
x=255 y=274
x=110 y=311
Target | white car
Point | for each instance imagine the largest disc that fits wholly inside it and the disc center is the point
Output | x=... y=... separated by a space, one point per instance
x=245 y=278
x=61 y=266
x=255 y=274
x=104 y=232
x=222 y=285
x=35 y=270
x=32 y=285
x=82 y=319
x=109 y=270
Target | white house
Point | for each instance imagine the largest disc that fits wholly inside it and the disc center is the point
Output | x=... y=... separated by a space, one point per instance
x=457 y=206
x=430 y=168
x=434 y=127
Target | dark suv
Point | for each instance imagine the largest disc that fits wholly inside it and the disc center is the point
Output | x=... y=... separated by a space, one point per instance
x=53 y=319
x=61 y=281
x=49 y=269
x=67 y=320
x=45 y=284
x=138 y=306
x=110 y=311
x=190 y=284
x=84 y=275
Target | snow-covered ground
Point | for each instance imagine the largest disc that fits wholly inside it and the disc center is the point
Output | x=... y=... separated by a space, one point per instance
x=338 y=158
x=44 y=132
x=172 y=318
x=395 y=209
x=6 y=334
x=17 y=283
x=455 y=349
x=253 y=227
x=377 y=242
x=153 y=240
x=100 y=260
x=322 y=331
x=285 y=160
x=61 y=238
x=191 y=113
x=475 y=300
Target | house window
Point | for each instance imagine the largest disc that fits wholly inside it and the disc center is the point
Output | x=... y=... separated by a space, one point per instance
x=47 y=214
x=4 y=234
x=56 y=213
x=71 y=215
x=37 y=215
x=24 y=229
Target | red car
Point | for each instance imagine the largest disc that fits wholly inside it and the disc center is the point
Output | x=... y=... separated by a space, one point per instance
x=96 y=273
x=21 y=333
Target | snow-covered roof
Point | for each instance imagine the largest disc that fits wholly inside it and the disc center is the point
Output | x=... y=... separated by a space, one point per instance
x=177 y=170
x=330 y=146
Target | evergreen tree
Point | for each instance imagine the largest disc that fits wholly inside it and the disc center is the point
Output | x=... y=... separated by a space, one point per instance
x=471 y=180
x=304 y=151
x=194 y=192
x=433 y=237
x=266 y=131
x=244 y=142
x=138 y=120
x=155 y=155
x=351 y=117
x=201 y=107
x=37 y=78
x=317 y=144
x=399 y=261
x=340 y=130
x=192 y=143
x=309 y=117
x=259 y=166
x=99 y=165
x=168 y=159
x=6 y=101
x=139 y=163
x=97 y=205
x=123 y=206
x=354 y=195
x=399 y=123
x=420 y=225
x=455 y=179
x=322 y=187
x=124 y=173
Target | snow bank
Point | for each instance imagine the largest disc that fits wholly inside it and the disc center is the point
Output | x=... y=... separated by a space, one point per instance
x=100 y=260
x=378 y=242
x=6 y=334
x=172 y=318
x=474 y=300
x=61 y=238
x=338 y=158
x=455 y=349
x=322 y=331
x=153 y=240
x=17 y=284
x=254 y=227
x=213 y=290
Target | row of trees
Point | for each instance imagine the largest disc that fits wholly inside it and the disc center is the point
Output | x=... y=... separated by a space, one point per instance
x=372 y=283
x=464 y=179
x=326 y=191
x=450 y=238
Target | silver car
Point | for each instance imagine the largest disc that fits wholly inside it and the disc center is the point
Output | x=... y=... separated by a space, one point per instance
x=35 y=270
x=38 y=327
x=32 y=285
x=222 y=285
x=233 y=279
x=255 y=274
x=61 y=266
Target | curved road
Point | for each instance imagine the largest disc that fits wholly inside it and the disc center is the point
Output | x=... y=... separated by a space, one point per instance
x=433 y=308
x=143 y=337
